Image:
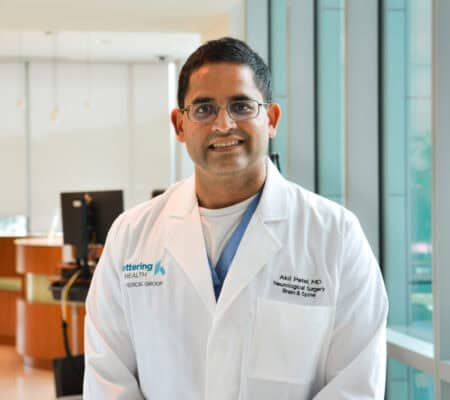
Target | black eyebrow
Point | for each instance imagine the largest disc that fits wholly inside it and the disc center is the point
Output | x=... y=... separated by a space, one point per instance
x=202 y=100
x=240 y=97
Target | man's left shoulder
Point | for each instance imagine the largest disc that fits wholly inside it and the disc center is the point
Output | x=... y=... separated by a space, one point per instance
x=317 y=207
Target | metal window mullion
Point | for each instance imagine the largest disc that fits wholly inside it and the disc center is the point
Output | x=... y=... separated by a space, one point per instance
x=257 y=27
x=441 y=195
x=258 y=31
x=381 y=132
x=316 y=95
x=288 y=91
x=346 y=98
x=444 y=369
x=408 y=183
x=361 y=110
x=301 y=153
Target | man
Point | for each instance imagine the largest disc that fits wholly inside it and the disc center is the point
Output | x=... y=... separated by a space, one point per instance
x=234 y=284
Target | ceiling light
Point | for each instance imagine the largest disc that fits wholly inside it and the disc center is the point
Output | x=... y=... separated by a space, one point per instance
x=103 y=42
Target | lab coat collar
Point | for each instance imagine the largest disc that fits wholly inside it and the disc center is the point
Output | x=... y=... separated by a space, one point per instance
x=183 y=200
x=186 y=243
x=272 y=205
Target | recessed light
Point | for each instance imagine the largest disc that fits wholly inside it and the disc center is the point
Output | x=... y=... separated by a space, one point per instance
x=104 y=42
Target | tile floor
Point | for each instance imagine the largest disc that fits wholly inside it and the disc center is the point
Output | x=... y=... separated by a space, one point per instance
x=19 y=383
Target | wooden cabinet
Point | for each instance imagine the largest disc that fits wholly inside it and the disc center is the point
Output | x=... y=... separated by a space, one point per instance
x=10 y=290
x=39 y=333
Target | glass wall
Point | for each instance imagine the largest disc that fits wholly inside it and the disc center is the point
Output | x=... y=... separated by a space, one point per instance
x=288 y=79
x=407 y=383
x=407 y=162
x=410 y=158
x=290 y=32
x=407 y=182
x=330 y=16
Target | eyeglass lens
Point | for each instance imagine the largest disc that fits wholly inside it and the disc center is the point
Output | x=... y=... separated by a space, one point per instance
x=237 y=110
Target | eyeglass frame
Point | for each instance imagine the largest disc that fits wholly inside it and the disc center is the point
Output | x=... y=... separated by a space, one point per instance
x=219 y=107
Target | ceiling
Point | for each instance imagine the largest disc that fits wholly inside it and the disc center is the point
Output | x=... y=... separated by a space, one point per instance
x=97 y=46
x=105 y=30
x=114 y=15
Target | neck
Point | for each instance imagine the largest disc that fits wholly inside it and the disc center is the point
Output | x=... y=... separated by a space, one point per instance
x=218 y=192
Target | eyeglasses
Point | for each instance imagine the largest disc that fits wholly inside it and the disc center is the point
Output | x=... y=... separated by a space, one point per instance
x=237 y=110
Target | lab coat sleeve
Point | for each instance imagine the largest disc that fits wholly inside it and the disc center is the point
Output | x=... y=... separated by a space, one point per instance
x=110 y=362
x=356 y=361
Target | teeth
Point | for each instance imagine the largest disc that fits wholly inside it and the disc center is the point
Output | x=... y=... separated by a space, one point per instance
x=225 y=144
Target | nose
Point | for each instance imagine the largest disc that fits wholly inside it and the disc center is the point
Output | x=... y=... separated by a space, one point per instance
x=223 y=122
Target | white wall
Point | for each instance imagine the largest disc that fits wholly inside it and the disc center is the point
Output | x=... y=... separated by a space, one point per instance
x=152 y=157
x=112 y=132
x=12 y=140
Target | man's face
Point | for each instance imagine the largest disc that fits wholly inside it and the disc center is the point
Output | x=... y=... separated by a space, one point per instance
x=223 y=146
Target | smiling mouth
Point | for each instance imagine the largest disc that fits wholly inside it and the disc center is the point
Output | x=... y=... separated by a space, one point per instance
x=225 y=145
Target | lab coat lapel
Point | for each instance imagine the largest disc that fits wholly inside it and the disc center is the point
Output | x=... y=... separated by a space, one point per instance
x=185 y=241
x=260 y=243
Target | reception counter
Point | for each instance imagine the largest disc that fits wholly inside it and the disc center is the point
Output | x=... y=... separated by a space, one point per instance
x=39 y=334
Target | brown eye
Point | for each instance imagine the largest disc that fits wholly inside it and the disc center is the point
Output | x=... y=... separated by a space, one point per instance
x=243 y=108
x=203 y=111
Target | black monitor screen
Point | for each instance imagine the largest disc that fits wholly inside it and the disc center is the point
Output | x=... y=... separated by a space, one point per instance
x=107 y=204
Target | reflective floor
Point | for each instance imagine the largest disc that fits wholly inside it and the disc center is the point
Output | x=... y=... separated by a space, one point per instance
x=19 y=383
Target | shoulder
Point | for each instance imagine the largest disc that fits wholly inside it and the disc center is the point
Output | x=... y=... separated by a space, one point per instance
x=316 y=209
x=335 y=234
x=145 y=214
x=301 y=205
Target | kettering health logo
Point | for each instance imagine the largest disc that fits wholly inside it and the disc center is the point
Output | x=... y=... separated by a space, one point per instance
x=142 y=274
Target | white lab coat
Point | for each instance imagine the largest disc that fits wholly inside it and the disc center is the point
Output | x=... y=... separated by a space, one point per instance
x=301 y=315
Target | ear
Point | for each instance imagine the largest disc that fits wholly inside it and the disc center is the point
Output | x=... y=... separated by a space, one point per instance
x=176 y=116
x=274 y=115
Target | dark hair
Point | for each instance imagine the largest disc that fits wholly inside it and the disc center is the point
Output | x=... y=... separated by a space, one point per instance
x=228 y=50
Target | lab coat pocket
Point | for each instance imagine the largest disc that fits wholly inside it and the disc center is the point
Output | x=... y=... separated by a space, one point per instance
x=287 y=341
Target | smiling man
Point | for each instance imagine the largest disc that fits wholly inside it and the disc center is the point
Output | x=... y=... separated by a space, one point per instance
x=243 y=286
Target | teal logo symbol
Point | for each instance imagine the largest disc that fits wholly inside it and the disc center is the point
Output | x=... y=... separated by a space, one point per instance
x=159 y=269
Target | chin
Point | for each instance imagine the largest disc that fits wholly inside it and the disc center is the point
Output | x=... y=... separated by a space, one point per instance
x=226 y=171
x=232 y=169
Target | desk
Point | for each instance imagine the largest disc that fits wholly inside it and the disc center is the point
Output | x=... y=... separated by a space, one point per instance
x=39 y=332
x=10 y=289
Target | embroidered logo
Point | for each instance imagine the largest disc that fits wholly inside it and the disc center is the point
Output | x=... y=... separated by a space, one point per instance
x=137 y=275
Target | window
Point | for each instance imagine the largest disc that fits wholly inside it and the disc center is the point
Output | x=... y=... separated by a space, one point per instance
x=407 y=383
x=407 y=183
x=407 y=165
x=412 y=172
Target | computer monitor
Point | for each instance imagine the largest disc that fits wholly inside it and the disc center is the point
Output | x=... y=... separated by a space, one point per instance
x=87 y=217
